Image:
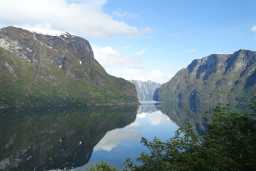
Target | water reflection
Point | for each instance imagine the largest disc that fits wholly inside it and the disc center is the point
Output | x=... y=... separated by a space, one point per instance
x=181 y=116
x=56 y=139
x=122 y=143
x=75 y=140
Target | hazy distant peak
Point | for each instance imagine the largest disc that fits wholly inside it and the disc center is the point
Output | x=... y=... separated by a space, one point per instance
x=146 y=89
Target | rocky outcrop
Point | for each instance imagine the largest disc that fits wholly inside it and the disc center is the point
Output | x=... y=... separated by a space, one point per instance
x=146 y=90
x=43 y=70
x=216 y=79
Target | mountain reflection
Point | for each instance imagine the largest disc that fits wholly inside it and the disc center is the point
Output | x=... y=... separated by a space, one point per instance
x=181 y=116
x=122 y=143
x=56 y=139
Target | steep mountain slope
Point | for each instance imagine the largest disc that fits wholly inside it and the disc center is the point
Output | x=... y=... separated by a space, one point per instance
x=145 y=89
x=43 y=70
x=212 y=80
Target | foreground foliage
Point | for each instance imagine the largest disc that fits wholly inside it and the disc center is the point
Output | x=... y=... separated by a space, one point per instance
x=228 y=145
x=102 y=167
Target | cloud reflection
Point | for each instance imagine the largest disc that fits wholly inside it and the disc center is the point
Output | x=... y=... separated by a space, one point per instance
x=144 y=122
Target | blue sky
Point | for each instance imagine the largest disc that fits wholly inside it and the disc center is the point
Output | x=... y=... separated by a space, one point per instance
x=143 y=39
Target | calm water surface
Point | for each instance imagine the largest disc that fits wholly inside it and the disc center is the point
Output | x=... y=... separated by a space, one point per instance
x=122 y=143
x=75 y=140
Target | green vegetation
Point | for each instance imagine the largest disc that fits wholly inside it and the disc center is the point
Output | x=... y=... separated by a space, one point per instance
x=103 y=166
x=228 y=145
x=24 y=85
x=210 y=81
x=49 y=71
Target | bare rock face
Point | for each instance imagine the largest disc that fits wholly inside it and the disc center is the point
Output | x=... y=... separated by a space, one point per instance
x=216 y=79
x=42 y=69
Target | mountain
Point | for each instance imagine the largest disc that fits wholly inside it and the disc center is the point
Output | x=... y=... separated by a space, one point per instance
x=43 y=70
x=146 y=89
x=216 y=79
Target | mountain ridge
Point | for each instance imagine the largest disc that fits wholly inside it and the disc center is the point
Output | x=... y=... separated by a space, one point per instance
x=212 y=80
x=43 y=70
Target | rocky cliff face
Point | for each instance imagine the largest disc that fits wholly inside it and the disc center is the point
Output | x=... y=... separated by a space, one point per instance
x=146 y=90
x=212 y=80
x=38 y=69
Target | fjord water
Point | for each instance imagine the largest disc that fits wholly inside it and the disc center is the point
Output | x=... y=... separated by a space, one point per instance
x=71 y=139
x=122 y=143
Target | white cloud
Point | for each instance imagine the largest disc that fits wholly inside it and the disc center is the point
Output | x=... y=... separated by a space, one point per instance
x=123 y=14
x=127 y=67
x=147 y=30
x=43 y=29
x=193 y=51
x=253 y=28
x=85 y=18
x=144 y=75
x=110 y=57
x=140 y=52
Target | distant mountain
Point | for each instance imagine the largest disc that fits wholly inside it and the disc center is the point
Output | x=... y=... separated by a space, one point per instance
x=42 y=70
x=212 y=80
x=146 y=89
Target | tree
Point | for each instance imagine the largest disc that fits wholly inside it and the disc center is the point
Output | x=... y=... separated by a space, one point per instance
x=102 y=166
